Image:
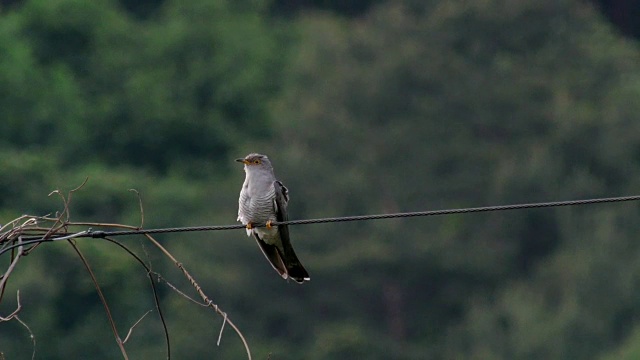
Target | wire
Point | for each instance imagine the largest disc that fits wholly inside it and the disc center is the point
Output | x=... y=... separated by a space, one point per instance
x=102 y=234
x=464 y=210
x=32 y=240
x=382 y=216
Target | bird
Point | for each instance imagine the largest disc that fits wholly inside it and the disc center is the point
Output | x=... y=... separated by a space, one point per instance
x=263 y=201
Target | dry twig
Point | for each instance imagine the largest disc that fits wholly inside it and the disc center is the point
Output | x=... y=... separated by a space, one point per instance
x=133 y=326
x=14 y=315
x=102 y=299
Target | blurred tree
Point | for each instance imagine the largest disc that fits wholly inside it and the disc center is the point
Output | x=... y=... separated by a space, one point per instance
x=178 y=91
x=622 y=13
x=409 y=105
x=33 y=99
x=350 y=8
x=457 y=105
x=188 y=86
x=142 y=9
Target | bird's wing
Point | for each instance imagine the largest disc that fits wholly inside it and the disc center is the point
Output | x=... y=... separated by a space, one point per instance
x=271 y=252
x=280 y=204
x=281 y=200
x=294 y=268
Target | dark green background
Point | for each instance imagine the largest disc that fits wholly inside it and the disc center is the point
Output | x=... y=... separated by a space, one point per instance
x=363 y=107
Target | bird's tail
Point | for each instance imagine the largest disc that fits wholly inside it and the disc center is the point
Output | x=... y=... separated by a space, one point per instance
x=297 y=272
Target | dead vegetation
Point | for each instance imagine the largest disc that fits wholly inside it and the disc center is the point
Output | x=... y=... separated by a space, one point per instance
x=25 y=234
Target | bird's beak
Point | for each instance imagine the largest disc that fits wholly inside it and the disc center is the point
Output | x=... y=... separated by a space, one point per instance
x=242 y=160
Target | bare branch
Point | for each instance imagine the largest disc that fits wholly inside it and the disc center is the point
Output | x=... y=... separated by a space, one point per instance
x=14 y=315
x=198 y=289
x=102 y=299
x=31 y=336
x=221 y=329
x=160 y=278
x=15 y=312
x=5 y=276
x=141 y=207
x=69 y=194
x=155 y=293
x=133 y=326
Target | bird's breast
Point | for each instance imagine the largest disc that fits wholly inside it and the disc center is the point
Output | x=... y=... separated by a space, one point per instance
x=256 y=208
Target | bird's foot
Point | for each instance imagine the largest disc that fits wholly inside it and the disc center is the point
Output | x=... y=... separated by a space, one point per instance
x=268 y=225
x=249 y=226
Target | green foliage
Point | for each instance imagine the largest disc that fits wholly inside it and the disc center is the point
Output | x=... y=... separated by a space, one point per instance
x=413 y=105
x=462 y=105
x=200 y=74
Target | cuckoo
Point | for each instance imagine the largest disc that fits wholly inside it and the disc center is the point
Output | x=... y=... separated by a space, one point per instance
x=263 y=201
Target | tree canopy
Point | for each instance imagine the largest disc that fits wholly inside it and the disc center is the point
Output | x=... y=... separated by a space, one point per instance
x=371 y=107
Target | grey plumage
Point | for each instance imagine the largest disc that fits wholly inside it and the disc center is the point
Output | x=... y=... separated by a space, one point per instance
x=263 y=200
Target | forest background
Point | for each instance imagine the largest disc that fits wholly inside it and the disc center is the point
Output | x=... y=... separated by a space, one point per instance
x=364 y=107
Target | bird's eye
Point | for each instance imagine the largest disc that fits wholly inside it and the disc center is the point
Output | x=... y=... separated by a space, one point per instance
x=256 y=161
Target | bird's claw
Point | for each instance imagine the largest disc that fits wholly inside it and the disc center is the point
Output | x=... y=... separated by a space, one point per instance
x=249 y=226
x=268 y=225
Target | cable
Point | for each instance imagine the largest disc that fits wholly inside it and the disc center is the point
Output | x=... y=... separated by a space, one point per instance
x=463 y=210
x=102 y=234
x=385 y=216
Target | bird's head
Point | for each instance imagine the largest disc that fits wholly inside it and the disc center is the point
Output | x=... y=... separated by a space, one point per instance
x=254 y=160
